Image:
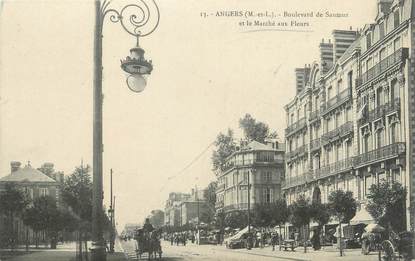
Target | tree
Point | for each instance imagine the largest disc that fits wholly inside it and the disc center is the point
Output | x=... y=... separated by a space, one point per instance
x=236 y=219
x=253 y=130
x=321 y=215
x=280 y=213
x=45 y=215
x=301 y=215
x=386 y=204
x=343 y=206
x=13 y=201
x=208 y=214
x=77 y=192
x=262 y=215
x=225 y=146
x=157 y=218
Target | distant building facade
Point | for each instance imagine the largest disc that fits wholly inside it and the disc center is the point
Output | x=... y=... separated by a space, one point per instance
x=353 y=124
x=263 y=164
x=34 y=184
x=172 y=215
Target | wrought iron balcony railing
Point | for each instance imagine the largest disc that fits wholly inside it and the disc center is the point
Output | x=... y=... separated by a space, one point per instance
x=246 y=162
x=297 y=152
x=314 y=115
x=388 y=62
x=297 y=180
x=334 y=168
x=336 y=101
x=300 y=124
x=337 y=133
x=381 y=111
x=220 y=187
x=315 y=144
x=382 y=153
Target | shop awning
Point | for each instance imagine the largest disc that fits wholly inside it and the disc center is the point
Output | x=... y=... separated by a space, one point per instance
x=362 y=217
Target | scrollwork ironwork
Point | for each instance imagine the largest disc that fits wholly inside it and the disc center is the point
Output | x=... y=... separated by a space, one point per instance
x=136 y=19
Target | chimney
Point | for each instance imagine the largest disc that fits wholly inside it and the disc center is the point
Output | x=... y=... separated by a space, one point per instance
x=342 y=40
x=326 y=56
x=384 y=6
x=15 y=165
x=301 y=78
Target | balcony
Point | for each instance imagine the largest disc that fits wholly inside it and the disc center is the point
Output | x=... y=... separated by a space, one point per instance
x=334 y=168
x=297 y=152
x=240 y=163
x=383 y=153
x=336 y=101
x=232 y=207
x=300 y=124
x=219 y=205
x=377 y=70
x=381 y=111
x=314 y=115
x=297 y=180
x=315 y=144
x=335 y=134
x=220 y=187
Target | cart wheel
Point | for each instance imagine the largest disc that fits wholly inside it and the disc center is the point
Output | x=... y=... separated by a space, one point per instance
x=387 y=251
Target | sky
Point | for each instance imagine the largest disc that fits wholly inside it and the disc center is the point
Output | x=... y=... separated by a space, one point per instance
x=208 y=72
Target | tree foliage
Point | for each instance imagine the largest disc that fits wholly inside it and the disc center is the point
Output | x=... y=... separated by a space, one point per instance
x=207 y=215
x=157 y=218
x=342 y=205
x=77 y=192
x=262 y=215
x=12 y=200
x=225 y=146
x=386 y=204
x=320 y=213
x=253 y=129
x=300 y=212
x=280 y=212
x=236 y=219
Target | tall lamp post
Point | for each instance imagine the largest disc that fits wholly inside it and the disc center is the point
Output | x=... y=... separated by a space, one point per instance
x=135 y=20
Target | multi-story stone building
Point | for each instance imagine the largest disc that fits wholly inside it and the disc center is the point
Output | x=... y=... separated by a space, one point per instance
x=263 y=164
x=185 y=208
x=353 y=124
x=172 y=214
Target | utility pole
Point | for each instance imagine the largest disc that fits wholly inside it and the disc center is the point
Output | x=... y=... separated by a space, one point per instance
x=249 y=213
x=112 y=236
x=198 y=209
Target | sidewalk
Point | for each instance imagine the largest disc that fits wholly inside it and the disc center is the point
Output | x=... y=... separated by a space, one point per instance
x=329 y=253
x=66 y=252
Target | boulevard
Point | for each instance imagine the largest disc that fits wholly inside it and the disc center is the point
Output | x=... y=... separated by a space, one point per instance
x=217 y=252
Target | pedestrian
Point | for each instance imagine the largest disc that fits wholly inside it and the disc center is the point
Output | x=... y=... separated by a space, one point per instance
x=171 y=239
x=274 y=239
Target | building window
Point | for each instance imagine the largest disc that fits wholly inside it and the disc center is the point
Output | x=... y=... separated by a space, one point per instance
x=396 y=18
x=368 y=40
x=43 y=192
x=350 y=80
x=329 y=92
x=379 y=97
x=381 y=30
x=267 y=176
x=267 y=195
x=368 y=184
x=397 y=44
x=394 y=132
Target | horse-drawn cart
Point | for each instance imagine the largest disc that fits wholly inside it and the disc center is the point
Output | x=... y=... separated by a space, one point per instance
x=148 y=242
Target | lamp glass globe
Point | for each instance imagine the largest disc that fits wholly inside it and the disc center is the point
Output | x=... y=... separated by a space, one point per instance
x=136 y=82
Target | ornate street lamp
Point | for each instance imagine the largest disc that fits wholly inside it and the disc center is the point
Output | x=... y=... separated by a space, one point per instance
x=139 y=20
